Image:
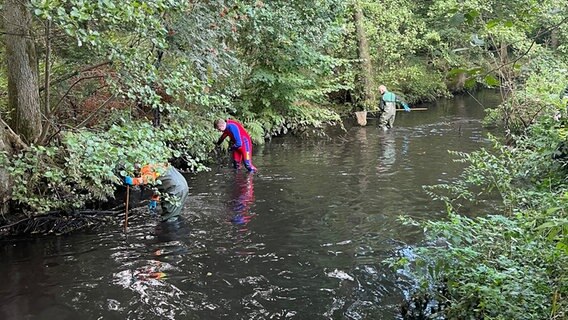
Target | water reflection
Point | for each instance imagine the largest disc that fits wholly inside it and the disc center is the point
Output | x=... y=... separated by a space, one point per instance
x=388 y=148
x=242 y=200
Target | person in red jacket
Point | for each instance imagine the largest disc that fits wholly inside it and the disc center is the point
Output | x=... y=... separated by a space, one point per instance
x=241 y=144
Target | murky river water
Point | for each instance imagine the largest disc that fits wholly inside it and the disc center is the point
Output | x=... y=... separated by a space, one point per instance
x=301 y=239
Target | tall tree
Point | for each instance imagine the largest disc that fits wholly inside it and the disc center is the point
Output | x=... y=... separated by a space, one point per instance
x=366 y=75
x=23 y=89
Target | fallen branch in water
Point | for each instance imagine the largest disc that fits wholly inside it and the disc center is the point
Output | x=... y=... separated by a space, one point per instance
x=60 y=222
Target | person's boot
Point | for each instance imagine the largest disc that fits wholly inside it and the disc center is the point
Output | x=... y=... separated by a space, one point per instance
x=236 y=165
x=249 y=166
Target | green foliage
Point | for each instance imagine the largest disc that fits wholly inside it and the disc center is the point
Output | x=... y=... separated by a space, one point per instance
x=110 y=27
x=416 y=81
x=502 y=267
x=272 y=65
x=538 y=98
x=84 y=168
x=492 y=268
x=284 y=43
x=304 y=119
x=190 y=138
x=394 y=31
x=271 y=122
x=157 y=47
x=526 y=177
x=491 y=40
x=37 y=179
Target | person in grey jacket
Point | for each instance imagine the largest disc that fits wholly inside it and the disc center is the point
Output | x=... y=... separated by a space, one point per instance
x=171 y=186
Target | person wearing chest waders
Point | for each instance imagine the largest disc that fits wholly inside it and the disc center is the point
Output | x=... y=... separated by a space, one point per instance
x=387 y=106
x=171 y=189
x=241 y=144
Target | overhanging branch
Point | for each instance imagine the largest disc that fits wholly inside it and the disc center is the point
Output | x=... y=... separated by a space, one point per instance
x=75 y=73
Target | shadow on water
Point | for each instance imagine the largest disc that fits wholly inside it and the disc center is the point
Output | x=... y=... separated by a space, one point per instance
x=302 y=239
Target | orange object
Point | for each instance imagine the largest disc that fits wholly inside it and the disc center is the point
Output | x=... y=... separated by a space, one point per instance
x=148 y=174
x=156 y=275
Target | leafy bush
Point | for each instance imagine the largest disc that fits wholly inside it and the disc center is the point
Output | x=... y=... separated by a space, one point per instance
x=84 y=167
x=539 y=97
x=509 y=265
x=415 y=82
x=301 y=118
x=492 y=268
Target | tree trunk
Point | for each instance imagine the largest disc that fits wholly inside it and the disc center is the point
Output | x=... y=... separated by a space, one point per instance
x=554 y=39
x=5 y=180
x=23 y=87
x=366 y=75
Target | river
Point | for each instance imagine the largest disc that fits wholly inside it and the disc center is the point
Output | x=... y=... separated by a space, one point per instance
x=304 y=238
